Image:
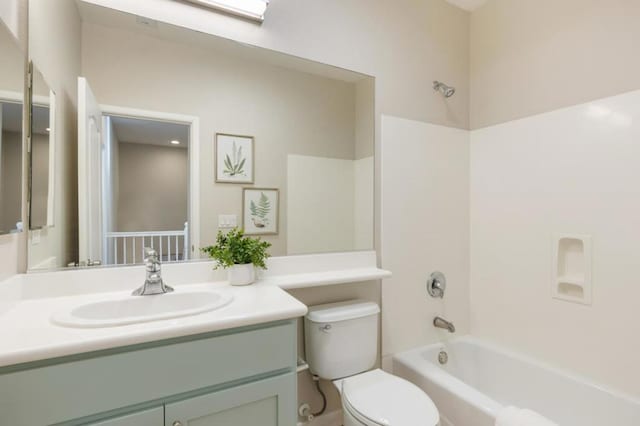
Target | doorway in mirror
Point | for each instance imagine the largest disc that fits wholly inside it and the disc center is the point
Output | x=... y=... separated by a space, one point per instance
x=134 y=184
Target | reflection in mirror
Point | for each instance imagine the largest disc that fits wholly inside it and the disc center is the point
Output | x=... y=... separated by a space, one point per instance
x=145 y=164
x=42 y=153
x=11 y=104
x=182 y=134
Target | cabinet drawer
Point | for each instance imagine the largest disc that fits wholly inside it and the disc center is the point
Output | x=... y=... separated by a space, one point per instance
x=152 y=417
x=85 y=387
x=269 y=402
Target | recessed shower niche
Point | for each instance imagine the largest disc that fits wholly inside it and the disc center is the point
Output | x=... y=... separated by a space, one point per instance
x=572 y=268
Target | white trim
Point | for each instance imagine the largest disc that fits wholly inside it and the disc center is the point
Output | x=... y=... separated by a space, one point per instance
x=83 y=228
x=239 y=10
x=10 y=96
x=42 y=101
x=178 y=233
x=194 y=164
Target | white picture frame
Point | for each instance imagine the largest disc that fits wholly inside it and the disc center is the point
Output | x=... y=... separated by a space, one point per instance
x=260 y=211
x=234 y=158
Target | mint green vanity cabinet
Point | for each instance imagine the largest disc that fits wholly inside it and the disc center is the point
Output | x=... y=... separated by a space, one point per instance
x=267 y=402
x=151 y=417
x=232 y=372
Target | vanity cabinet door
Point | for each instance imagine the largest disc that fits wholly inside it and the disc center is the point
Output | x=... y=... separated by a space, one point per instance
x=152 y=417
x=268 y=402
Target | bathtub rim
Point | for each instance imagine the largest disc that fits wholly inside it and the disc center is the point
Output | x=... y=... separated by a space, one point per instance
x=484 y=343
x=413 y=361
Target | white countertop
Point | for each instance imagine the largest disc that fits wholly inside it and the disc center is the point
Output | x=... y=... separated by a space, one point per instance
x=27 y=333
x=27 y=302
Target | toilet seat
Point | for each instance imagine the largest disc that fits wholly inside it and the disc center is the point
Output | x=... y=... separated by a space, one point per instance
x=377 y=398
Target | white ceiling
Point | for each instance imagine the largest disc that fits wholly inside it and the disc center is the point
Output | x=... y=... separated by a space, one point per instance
x=134 y=130
x=469 y=5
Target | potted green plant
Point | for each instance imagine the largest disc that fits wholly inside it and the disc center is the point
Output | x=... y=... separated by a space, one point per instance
x=240 y=254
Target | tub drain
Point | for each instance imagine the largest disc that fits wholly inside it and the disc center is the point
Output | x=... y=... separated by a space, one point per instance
x=443 y=357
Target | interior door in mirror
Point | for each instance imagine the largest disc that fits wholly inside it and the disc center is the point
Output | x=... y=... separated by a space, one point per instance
x=42 y=164
x=89 y=174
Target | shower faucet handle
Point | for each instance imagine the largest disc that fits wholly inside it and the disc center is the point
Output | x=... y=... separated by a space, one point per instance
x=436 y=284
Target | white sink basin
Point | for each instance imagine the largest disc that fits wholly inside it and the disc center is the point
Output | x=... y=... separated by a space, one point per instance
x=137 y=309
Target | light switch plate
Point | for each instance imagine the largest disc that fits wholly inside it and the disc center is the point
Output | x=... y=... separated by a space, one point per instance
x=227 y=221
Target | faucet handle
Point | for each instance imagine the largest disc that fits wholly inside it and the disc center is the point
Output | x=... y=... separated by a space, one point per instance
x=436 y=284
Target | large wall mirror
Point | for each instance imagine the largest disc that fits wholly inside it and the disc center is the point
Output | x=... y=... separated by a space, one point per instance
x=12 y=74
x=164 y=136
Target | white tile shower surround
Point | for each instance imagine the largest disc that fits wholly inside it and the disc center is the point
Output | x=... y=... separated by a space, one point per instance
x=577 y=171
x=425 y=227
x=573 y=170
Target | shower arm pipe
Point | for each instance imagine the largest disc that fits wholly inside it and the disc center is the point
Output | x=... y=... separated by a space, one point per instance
x=446 y=90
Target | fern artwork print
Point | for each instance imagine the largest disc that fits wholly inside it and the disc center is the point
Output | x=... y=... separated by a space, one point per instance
x=260 y=211
x=234 y=158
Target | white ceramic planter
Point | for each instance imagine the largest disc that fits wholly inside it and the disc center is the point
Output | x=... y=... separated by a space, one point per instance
x=242 y=274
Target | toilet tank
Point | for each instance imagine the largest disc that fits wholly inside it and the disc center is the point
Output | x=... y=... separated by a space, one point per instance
x=341 y=339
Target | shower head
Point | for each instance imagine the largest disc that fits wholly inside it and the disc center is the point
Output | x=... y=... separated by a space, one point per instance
x=447 y=91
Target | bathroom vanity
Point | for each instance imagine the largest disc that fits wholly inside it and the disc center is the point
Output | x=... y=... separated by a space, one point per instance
x=237 y=376
x=233 y=365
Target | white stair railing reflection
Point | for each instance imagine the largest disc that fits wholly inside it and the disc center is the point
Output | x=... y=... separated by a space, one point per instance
x=127 y=248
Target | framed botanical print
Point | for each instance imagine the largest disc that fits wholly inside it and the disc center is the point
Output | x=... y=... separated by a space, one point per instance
x=260 y=210
x=234 y=158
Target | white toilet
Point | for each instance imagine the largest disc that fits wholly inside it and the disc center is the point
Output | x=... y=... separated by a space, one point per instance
x=341 y=342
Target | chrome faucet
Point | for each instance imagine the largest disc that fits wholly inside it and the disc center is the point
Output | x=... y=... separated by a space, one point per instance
x=443 y=323
x=153 y=284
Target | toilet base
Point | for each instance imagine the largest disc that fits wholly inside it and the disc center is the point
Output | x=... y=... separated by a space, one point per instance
x=388 y=398
x=349 y=420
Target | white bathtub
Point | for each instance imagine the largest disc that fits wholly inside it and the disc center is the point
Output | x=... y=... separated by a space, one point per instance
x=479 y=379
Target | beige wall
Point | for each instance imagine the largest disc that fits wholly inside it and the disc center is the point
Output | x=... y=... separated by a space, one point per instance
x=532 y=56
x=405 y=44
x=153 y=187
x=13 y=14
x=54 y=46
x=288 y=112
x=12 y=69
x=365 y=118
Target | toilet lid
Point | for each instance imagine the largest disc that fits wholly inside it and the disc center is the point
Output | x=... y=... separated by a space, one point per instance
x=384 y=399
